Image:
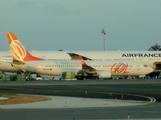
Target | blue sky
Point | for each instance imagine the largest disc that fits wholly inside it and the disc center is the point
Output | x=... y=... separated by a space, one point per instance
x=77 y=24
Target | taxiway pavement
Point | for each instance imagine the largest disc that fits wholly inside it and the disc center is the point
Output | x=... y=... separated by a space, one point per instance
x=103 y=89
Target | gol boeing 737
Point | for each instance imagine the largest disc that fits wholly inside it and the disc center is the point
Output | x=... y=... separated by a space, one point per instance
x=24 y=60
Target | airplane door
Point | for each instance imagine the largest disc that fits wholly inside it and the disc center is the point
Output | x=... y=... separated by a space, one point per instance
x=138 y=67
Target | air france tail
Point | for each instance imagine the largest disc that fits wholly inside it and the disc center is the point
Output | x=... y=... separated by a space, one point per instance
x=19 y=52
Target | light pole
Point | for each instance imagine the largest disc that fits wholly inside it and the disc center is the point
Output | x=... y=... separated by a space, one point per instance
x=104 y=33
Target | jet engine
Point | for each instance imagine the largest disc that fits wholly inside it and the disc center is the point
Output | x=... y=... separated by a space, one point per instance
x=104 y=74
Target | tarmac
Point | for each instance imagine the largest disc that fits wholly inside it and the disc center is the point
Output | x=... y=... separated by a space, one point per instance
x=77 y=102
x=85 y=100
x=74 y=102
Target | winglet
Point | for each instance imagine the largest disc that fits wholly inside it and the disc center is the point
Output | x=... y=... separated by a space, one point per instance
x=19 y=52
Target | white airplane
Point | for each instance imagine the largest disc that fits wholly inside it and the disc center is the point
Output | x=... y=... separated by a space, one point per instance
x=151 y=58
x=23 y=60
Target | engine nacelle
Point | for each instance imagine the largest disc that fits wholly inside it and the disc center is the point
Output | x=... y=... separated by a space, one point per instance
x=104 y=74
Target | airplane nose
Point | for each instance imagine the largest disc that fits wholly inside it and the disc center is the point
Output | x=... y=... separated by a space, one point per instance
x=151 y=69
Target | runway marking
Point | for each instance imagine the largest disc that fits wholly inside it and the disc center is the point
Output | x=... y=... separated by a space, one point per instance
x=121 y=96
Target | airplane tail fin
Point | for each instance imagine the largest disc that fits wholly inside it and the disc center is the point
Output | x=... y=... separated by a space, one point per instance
x=19 y=52
x=82 y=61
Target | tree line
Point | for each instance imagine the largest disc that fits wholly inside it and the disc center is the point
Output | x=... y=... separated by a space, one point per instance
x=155 y=47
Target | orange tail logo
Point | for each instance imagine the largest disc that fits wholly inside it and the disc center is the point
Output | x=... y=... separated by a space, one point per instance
x=18 y=50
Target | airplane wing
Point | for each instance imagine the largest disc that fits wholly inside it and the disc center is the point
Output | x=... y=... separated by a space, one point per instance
x=86 y=70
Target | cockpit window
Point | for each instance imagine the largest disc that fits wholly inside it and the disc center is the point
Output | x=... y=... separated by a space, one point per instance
x=145 y=66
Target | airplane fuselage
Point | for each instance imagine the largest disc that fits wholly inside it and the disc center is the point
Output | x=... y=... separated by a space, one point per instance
x=114 y=68
x=151 y=58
